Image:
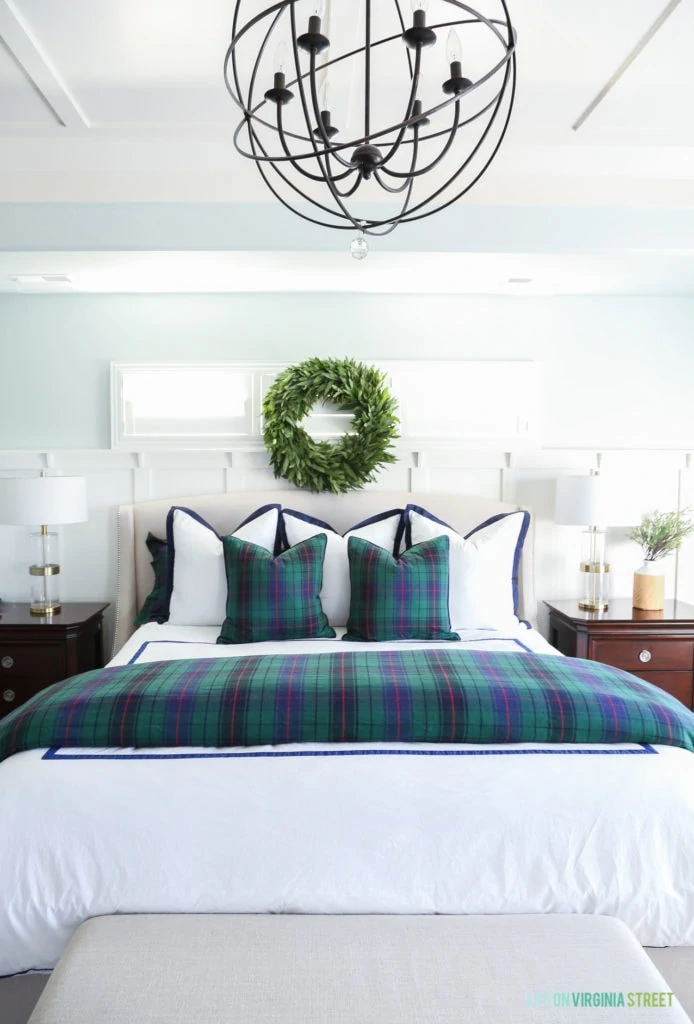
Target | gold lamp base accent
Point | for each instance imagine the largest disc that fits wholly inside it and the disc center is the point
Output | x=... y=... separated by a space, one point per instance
x=45 y=610
x=593 y=606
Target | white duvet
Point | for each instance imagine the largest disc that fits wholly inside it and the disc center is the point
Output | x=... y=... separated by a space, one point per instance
x=341 y=828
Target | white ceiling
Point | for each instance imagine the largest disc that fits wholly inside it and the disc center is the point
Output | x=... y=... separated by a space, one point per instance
x=518 y=275
x=123 y=100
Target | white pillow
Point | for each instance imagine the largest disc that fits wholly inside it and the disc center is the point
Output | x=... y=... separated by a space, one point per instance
x=197 y=579
x=483 y=567
x=384 y=529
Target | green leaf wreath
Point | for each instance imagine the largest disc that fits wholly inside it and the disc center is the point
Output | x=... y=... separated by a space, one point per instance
x=352 y=461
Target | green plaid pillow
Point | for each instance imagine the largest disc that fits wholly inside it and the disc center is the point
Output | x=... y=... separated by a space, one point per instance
x=274 y=598
x=402 y=598
x=156 y=605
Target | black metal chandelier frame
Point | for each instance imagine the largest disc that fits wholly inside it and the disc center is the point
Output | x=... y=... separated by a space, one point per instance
x=366 y=159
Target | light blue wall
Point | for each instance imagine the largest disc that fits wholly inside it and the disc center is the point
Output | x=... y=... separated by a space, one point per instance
x=465 y=227
x=617 y=372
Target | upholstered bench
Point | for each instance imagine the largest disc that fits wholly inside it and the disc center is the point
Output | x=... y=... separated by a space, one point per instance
x=260 y=969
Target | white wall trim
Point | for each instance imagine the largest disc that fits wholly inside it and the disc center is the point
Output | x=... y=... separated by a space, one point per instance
x=664 y=479
x=37 y=65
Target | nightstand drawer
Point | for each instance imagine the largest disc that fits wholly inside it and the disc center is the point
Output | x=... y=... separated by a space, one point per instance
x=15 y=691
x=645 y=655
x=679 y=684
x=45 y=662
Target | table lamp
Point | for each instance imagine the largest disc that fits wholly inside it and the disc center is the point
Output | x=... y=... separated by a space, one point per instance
x=33 y=501
x=582 y=501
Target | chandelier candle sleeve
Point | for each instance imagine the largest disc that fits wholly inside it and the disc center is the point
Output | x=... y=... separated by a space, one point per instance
x=419 y=34
x=414 y=146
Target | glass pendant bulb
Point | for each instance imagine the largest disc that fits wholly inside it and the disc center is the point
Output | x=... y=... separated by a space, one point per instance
x=281 y=59
x=359 y=247
x=454 y=50
x=420 y=5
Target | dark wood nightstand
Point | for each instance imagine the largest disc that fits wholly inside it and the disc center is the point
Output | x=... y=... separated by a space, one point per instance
x=657 y=646
x=36 y=652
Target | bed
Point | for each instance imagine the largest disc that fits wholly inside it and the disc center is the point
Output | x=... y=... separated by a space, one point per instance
x=339 y=828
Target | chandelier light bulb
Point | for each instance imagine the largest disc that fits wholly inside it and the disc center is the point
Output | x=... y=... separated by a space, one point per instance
x=326 y=128
x=318 y=8
x=282 y=59
x=420 y=5
x=359 y=247
x=454 y=50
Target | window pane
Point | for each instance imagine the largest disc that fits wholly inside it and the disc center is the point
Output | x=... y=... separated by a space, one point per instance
x=194 y=402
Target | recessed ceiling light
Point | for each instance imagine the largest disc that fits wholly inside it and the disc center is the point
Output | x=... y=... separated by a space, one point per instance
x=42 y=278
x=42 y=282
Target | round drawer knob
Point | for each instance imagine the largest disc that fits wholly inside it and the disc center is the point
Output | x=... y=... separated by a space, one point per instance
x=8 y=696
x=645 y=656
x=7 y=661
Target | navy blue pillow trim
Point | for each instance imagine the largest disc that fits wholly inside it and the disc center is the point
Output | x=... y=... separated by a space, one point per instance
x=170 y=543
x=522 y=534
x=407 y=525
x=283 y=540
x=261 y=512
x=378 y=518
x=203 y=522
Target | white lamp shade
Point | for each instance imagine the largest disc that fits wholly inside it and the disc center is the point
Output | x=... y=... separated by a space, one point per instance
x=43 y=500
x=581 y=501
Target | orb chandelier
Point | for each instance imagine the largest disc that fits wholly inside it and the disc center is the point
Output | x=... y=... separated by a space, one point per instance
x=425 y=127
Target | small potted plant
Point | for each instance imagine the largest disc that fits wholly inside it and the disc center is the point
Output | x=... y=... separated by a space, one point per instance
x=659 y=534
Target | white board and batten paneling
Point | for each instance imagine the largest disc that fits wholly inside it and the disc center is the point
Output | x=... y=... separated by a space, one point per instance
x=527 y=477
x=158 y=454
x=219 y=405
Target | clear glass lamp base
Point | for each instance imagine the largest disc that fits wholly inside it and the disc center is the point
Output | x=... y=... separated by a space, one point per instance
x=44 y=573
x=595 y=572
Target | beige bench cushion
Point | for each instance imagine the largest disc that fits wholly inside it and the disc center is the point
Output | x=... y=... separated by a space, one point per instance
x=272 y=969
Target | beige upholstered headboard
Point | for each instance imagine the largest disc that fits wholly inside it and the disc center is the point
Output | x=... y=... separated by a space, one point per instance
x=226 y=511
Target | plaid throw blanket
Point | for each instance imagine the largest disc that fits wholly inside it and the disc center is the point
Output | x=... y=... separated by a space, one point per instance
x=423 y=696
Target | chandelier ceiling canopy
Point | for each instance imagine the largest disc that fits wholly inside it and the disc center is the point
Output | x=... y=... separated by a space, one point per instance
x=435 y=87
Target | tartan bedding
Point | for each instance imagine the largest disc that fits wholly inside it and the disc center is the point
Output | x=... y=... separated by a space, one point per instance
x=156 y=604
x=411 y=696
x=272 y=598
x=402 y=598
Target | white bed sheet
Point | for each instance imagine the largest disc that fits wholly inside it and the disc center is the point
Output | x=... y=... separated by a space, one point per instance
x=348 y=828
x=155 y=642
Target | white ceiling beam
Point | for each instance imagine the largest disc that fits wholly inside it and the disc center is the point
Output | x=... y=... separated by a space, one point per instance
x=626 y=63
x=39 y=69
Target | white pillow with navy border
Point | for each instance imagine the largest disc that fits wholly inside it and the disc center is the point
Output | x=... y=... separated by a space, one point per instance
x=197 y=578
x=384 y=529
x=483 y=567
